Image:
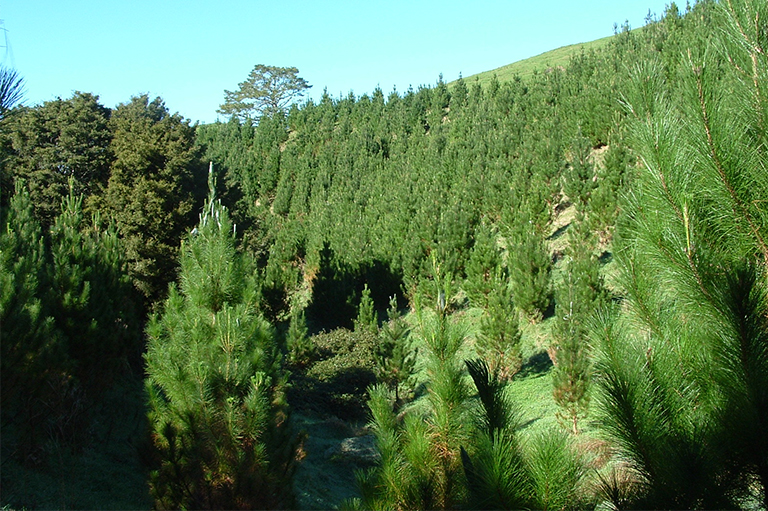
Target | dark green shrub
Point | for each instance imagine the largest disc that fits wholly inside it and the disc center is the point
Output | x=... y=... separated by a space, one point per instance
x=337 y=380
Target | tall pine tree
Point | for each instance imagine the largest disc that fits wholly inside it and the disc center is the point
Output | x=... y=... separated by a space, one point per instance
x=579 y=295
x=214 y=382
x=31 y=350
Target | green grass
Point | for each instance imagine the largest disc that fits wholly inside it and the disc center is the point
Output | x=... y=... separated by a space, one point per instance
x=539 y=63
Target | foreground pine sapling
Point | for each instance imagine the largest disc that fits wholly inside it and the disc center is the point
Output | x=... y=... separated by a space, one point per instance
x=396 y=357
x=683 y=364
x=215 y=386
x=366 y=320
x=420 y=466
x=504 y=472
x=499 y=339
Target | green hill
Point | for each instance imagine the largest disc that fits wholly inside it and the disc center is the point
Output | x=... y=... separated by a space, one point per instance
x=527 y=67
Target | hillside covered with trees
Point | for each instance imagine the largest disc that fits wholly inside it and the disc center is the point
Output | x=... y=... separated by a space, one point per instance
x=541 y=292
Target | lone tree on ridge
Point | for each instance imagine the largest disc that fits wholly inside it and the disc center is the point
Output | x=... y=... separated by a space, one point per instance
x=267 y=90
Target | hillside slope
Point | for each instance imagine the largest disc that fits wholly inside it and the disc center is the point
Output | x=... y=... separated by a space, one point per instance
x=559 y=57
x=527 y=67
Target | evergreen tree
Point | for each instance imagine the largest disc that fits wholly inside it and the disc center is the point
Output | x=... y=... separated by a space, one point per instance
x=298 y=343
x=61 y=142
x=578 y=180
x=420 y=466
x=32 y=351
x=495 y=468
x=603 y=206
x=155 y=183
x=68 y=317
x=267 y=91
x=395 y=357
x=683 y=368
x=91 y=295
x=571 y=376
x=499 y=339
x=530 y=268
x=482 y=267
x=367 y=320
x=214 y=382
x=579 y=295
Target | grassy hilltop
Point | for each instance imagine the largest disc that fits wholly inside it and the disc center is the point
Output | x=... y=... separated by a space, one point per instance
x=559 y=57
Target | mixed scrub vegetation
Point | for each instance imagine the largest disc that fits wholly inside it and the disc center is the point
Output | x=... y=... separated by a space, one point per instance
x=545 y=291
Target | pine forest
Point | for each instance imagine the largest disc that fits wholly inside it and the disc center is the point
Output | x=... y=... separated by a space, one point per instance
x=540 y=290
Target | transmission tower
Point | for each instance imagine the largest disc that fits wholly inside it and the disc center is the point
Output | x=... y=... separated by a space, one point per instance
x=5 y=44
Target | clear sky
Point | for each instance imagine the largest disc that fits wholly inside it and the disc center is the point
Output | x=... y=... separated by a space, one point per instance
x=189 y=51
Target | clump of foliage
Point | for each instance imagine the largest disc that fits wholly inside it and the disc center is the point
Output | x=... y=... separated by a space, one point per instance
x=372 y=188
x=336 y=380
x=454 y=449
x=215 y=386
x=137 y=164
x=467 y=452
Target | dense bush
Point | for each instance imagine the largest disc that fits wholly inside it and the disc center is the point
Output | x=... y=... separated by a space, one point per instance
x=337 y=380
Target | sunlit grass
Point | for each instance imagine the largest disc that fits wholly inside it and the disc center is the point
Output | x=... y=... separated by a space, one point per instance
x=539 y=63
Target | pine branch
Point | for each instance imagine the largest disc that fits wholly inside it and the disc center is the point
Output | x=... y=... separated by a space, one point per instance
x=739 y=209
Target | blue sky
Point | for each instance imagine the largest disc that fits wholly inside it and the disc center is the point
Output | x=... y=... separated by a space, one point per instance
x=188 y=52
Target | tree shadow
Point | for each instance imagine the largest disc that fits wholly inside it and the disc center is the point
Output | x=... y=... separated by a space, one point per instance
x=559 y=232
x=338 y=287
x=344 y=395
x=536 y=365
